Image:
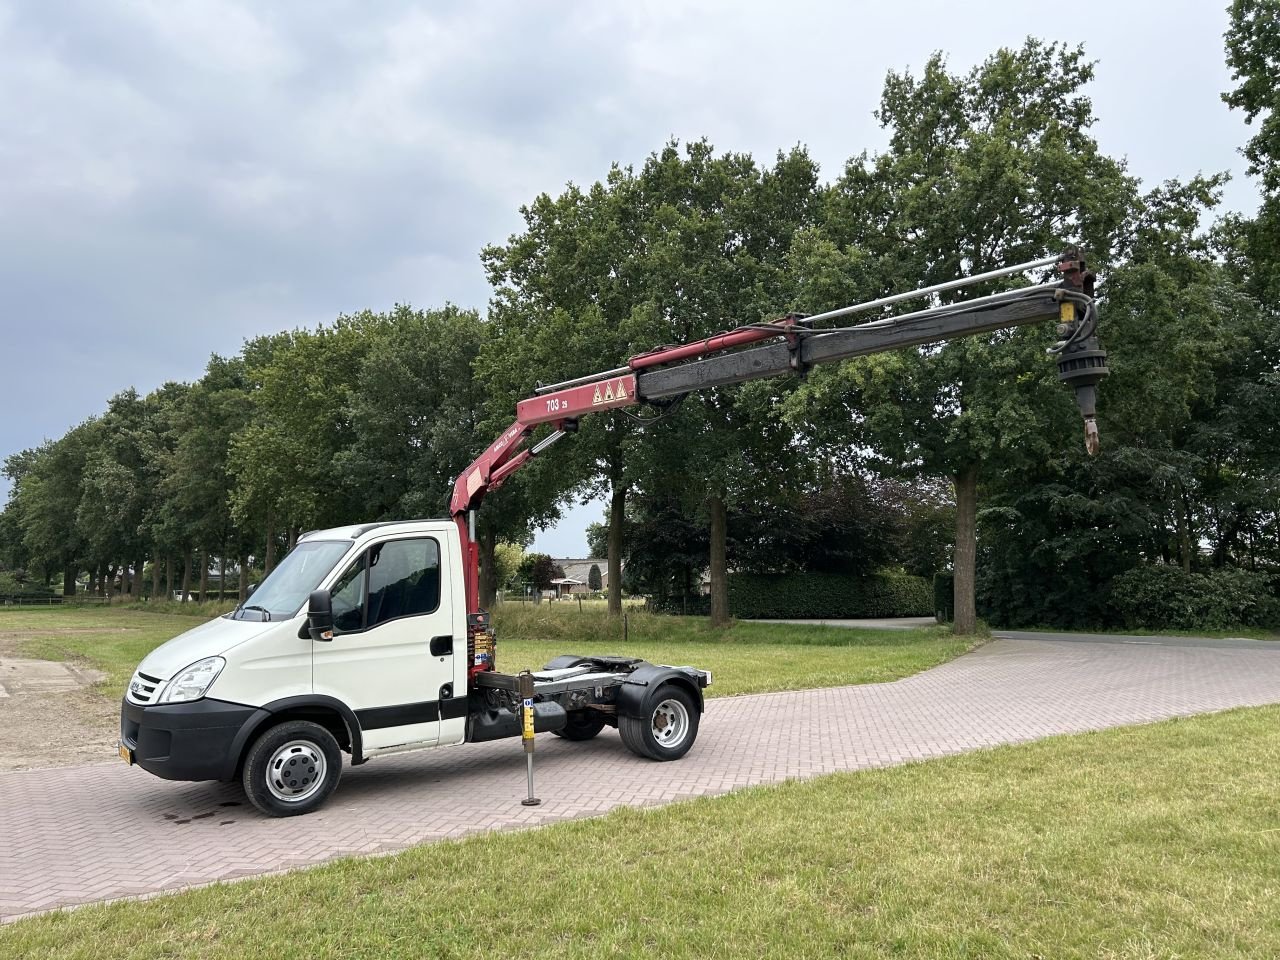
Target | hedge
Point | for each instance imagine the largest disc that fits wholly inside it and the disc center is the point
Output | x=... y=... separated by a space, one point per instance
x=755 y=596
x=1165 y=597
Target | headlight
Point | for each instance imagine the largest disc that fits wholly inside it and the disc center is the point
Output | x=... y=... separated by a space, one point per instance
x=191 y=683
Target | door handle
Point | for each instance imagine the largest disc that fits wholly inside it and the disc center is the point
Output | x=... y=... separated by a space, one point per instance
x=441 y=646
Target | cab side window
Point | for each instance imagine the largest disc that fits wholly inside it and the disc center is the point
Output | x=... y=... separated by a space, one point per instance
x=404 y=579
x=349 y=598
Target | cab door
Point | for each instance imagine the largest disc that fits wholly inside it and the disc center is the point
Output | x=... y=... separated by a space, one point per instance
x=392 y=655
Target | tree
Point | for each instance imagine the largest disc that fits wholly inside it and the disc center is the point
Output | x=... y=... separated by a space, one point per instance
x=169 y=519
x=538 y=569
x=689 y=244
x=46 y=496
x=507 y=559
x=598 y=538
x=414 y=408
x=982 y=170
x=197 y=482
x=718 y=258
x=1253 y=54
x=300 y=385
x=594 y=580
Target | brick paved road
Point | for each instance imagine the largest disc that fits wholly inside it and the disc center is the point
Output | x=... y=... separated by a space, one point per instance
x=79 y=834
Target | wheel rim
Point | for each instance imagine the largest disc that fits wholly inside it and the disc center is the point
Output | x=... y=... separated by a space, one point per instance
x=295 y=771
x=670 y=724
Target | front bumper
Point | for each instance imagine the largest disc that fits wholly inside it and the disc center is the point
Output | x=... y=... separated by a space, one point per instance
x=200 y=740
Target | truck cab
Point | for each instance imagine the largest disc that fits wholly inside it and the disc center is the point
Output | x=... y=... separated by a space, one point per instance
x=263 y=695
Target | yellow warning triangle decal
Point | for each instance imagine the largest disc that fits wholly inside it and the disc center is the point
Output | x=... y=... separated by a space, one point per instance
x=608 y=393
x=597 y=398
x=622 y=391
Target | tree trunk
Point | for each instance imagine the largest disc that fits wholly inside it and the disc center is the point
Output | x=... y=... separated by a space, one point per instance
x=488 y=543
x=966 y=621
x=244 y=577
x=140 y=565
x=222 y=573
x=69 y=581
x=719 y=568
x=1184 y=542
x=269 y=558
x=155 y=577
x=204 y=576
x=187 y=564
x=293 y=537
x=617 y=518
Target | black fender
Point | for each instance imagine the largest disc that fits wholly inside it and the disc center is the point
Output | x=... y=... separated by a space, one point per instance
x=308 y=700
x=606 y=662
x=636 y=688
x=565 y=661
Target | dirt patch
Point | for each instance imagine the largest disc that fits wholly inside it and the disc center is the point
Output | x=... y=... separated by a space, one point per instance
x=50 y=713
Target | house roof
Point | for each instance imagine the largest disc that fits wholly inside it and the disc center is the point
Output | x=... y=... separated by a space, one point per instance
x=580 y=569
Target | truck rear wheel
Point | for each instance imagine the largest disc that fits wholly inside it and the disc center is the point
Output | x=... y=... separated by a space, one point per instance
x=582 y=725
x=292 y=768
x=666 y=728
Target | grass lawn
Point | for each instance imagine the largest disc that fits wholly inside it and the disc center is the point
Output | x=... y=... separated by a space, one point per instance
x=1144 y=842
x=112 y=639
x=747 y=658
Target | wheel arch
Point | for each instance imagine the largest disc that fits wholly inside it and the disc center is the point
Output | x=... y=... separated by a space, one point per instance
x=637 y=687
x=331 y=713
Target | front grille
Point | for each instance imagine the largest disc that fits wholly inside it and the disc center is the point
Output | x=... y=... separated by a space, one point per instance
x=144 y=688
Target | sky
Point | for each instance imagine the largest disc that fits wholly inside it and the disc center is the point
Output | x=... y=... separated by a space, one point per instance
x=176 y=177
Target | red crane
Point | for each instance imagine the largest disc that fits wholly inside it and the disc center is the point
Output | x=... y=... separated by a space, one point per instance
x=795 y=344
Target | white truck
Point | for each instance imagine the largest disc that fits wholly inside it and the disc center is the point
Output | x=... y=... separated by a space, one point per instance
x=274 y=693
x=370 y=639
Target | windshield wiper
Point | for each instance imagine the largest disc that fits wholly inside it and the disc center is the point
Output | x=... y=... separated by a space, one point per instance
x=266 y=613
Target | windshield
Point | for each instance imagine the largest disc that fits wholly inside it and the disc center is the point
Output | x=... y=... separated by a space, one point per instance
x=287 y=587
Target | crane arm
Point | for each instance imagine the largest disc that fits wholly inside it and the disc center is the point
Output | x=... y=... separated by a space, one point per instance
x=797 y=345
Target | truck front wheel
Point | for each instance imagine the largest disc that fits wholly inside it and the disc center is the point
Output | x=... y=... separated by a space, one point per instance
x=666 y=728
x=292 y=768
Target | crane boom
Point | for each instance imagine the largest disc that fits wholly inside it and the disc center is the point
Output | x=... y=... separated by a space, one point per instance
x=740 y=355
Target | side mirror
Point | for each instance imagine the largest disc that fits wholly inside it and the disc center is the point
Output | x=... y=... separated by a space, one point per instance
x=252 y=587
x=320 y=615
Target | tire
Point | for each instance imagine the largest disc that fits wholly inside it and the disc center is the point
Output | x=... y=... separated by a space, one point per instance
x=292 y=768
x=667 y=727
x=582 y=725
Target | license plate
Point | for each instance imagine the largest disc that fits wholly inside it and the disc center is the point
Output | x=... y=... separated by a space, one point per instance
x=125 y=754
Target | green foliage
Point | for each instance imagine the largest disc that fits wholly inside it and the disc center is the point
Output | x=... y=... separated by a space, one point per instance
x=16 y=583
x=819 y=596
x=689 y=244
x=1161 y=596
x=1253 y=53
x=594 y=577
x=538 y=570
x=507 y=559
x=598 y=539
x=414 y=409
